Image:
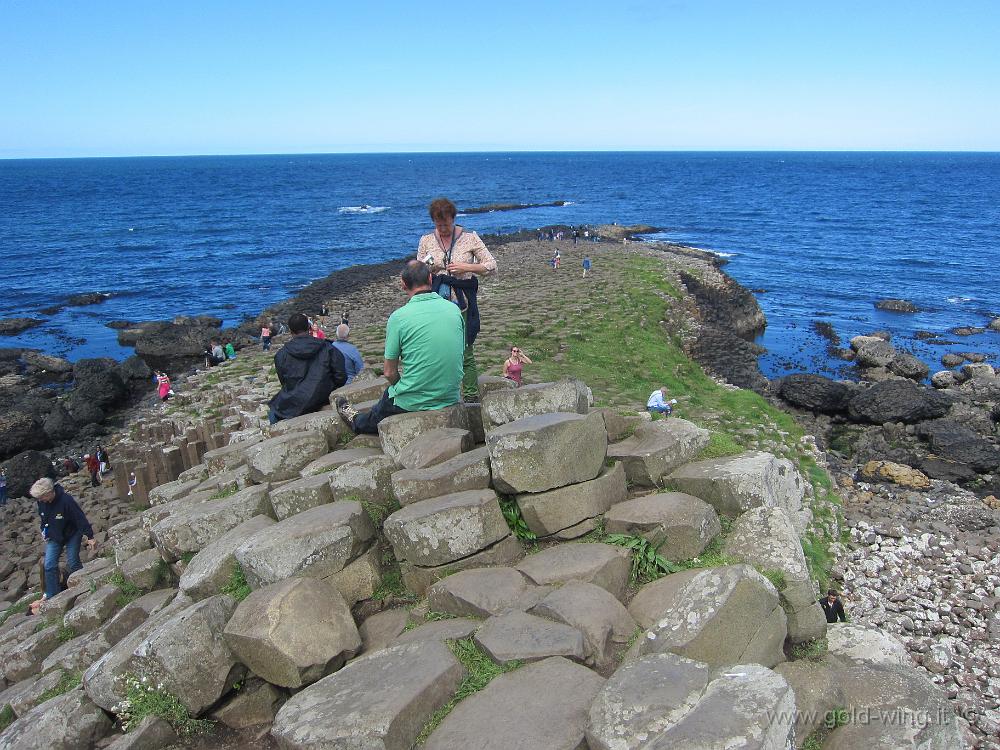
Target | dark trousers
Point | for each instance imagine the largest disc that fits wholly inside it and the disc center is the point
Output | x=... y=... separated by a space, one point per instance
x=368 y=423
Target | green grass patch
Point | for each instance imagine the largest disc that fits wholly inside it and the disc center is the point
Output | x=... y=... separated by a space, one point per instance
x=481 y=671
x=720 y=444
x=809 y=651
x=143 y=698
x=65 y=633
x=833 y=719
x=187 y=557
x=237 y=586
x=516 y=522
x=129 y=591
x=6 y=717
x=647 y=563
x=392 y=586
x=67 y=681
x=776 y=577
x=225 y=492
x=378 y=512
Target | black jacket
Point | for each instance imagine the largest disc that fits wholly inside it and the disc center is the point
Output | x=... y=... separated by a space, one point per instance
x=308 y=368
x=465 y=295
x=833 y=611
x=62 y=518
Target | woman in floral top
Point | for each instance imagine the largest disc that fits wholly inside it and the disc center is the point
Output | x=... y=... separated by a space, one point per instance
x=458 y=252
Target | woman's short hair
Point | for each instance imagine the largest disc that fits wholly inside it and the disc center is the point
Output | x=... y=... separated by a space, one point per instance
x=442 y=208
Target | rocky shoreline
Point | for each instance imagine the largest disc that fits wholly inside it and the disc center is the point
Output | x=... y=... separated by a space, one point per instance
x=915 y=465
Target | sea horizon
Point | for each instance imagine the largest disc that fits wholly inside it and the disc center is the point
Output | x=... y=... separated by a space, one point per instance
x=230 y=234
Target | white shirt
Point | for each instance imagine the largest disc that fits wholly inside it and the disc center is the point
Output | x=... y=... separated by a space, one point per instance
x=656 y=400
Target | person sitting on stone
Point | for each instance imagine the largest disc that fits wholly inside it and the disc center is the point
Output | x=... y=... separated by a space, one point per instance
x=64 y=526
x=352 y=357
x=424 y=346
x=308 y=369
x=833 y=608
x=657 y=402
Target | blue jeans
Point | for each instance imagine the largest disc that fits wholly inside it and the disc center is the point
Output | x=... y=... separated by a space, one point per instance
x=367 y=424
x=660 y=409
x=53 y=550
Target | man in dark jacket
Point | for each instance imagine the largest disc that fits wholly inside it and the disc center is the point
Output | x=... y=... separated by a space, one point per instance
x=64 y=526
x=309 y=369
x=833 y=608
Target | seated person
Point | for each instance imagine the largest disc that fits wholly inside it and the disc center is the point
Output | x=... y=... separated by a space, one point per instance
x=309 y=369
x=352 y=357
x=424 y=345
x=657 y=402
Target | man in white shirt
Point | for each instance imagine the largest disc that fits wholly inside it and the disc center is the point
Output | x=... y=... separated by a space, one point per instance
x=657 y=402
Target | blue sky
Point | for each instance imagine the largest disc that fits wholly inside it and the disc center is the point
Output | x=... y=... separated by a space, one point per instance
x=115 y=78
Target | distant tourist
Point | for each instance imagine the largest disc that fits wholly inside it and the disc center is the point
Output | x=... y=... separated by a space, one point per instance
x=94 y=467
x=265 y=337
x=132 y=482
x=324 y=310
x=163 y=389
x=556 y=257
x=426 y=336
x=657 y=402
x=105 y=460
x=576 y=236
x=514 y=364
x=308 y=369
x=353 y=363
x=64 y=527
x=230 y=350
x=586 y=265
x=218 y=352
x=833 y=608
x=3 y=487
x=458 y=256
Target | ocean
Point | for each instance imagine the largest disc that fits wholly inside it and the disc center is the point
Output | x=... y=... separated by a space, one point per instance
x=819 y=236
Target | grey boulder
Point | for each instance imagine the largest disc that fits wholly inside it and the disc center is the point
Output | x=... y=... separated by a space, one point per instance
x=657 y=448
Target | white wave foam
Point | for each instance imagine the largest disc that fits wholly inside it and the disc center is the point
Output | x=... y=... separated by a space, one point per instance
x=363 y=209
x=960 y=300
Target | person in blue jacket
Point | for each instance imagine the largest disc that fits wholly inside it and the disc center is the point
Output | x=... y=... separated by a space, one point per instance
x=64 y=526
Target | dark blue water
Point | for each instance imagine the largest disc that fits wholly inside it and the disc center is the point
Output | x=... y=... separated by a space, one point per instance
x=825 y=234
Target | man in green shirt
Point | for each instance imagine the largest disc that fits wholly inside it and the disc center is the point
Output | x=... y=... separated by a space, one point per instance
x=424 y=345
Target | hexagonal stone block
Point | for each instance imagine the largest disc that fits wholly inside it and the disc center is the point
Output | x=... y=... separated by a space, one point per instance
x=175 y=490
x=720 y=616
x=91 y=612
x=316 y=543
x=358 y=707
x=603 y=565
x=367 y=478
x=327 y=422
x=228 y=457
x=549 y=699
x=188 y=655
x=294 y=632
x=398 y=431
x=193 y=527
x=503 y=405
x=735 y=484
x=144 y=570
x=466 y=471
x=766 y=538
x=481 y=592
x=680 y=524
x=539 y=453
x=331 y=461
x=518 y=636
x=444 y=529
x=642 y=699
x=550 y=512
x=25 y=660
x=603 y=620
x=433 y=447
x=657 y=448
x=77 y=654
x=301 y=494
x=363 y=389
x=418 y=578
x=212 y=568
x=849 y=644
x=282 y=458
x=441 y=630
x=67 y=722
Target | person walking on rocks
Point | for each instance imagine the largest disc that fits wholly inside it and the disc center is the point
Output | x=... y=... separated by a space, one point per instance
x=64 y=527
x=265 y=338
x=586 y=265
x=353 y=362
x=308 y=369
x=3 y=487
x=104 y=459
x=94 y=467
x=514 y=364
x=424 y=346
x=833 y=607
x=163 y=389
x=458 y=257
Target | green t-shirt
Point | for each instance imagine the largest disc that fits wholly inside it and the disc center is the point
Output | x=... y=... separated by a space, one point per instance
x=427 y=336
